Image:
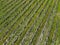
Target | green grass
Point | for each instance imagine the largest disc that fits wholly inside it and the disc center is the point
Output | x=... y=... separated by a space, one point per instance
x=29 y=22
x=59 y=7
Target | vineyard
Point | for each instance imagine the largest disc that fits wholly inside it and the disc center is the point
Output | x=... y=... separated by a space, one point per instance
x=29 y=22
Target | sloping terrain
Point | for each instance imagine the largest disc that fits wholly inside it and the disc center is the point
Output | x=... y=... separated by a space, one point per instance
x=29 y=22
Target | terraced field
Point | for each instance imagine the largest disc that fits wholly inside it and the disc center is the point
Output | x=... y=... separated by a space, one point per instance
x=29 y=22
